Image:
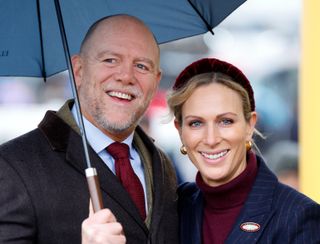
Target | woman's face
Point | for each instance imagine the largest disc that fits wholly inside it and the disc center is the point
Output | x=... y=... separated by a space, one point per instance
x=214 y=132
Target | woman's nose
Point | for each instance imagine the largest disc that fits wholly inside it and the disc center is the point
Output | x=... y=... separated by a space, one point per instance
x=212 y=135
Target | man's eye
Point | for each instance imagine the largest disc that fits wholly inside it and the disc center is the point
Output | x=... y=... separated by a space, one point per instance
x=110 y=60
x=195 y=123
x=142 y=66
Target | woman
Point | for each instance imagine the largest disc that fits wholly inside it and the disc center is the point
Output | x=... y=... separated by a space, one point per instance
x=236 y=198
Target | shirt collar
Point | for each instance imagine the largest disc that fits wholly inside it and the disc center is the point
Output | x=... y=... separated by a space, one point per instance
x=96 y=138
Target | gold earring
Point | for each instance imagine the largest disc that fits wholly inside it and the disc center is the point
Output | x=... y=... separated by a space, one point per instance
x=183 y=150
x=248 y=145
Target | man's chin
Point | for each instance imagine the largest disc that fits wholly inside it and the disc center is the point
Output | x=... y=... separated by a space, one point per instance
x=117 y=127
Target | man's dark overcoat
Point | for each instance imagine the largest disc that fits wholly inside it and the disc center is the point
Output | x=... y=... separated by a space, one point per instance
x=44 y=194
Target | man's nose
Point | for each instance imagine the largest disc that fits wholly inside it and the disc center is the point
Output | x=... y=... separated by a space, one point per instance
x=125 y=73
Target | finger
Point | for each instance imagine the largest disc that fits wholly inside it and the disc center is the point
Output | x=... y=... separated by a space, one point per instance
x=114 y=228
x=101 y=217
x=119 y=239
x=103 y=233
x=102 y=238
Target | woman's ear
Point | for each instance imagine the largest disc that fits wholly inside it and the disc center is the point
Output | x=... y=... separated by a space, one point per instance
x=177 y=124
x=252 y=123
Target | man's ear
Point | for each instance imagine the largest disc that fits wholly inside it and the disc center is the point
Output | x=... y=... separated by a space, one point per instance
x=158 y=79
x=159 y=76
x=156 y=84
x=77 y=69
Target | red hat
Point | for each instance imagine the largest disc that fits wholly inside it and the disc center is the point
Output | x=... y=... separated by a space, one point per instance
x=208 y=65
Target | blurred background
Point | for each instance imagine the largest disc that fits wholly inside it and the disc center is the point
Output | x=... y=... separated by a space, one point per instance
x=261 y=37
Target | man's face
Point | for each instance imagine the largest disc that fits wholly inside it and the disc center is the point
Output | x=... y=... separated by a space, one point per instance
x=117 y=76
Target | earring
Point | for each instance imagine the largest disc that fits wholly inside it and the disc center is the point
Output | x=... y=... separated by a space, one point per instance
x=248 y=145
x=183 y=150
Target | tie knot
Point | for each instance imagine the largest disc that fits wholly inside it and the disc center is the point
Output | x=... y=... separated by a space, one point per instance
x=118 y=150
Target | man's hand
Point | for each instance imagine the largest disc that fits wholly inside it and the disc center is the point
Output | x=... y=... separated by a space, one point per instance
x=102 y=228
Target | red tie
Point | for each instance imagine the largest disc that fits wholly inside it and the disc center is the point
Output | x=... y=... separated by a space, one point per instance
x=130 y=181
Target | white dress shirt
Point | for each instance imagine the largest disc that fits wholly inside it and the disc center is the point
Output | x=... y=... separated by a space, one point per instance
x=99 y=142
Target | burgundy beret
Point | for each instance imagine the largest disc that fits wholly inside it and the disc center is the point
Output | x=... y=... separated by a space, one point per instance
x=208 y=65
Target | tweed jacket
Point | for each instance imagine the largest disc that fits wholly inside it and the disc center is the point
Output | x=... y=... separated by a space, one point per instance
x=283 y=215
x=44 y=194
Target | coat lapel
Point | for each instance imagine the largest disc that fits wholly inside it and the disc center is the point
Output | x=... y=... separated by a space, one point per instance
x=154 y=176
x=197 y=219
x=69 y=141
x=257 y=209
x=191 y=213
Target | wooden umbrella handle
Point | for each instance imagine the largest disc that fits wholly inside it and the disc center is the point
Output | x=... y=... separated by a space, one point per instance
x=94 y=189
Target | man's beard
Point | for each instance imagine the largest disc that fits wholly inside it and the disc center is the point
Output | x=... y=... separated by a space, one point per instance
x=120 y=126
x=100 y=114
x=115 y=127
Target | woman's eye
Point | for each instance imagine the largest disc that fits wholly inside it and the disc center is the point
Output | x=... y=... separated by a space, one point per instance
x=195 y=123
x=226 y=121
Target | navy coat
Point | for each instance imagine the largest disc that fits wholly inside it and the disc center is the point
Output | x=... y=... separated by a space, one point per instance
x=284 y=215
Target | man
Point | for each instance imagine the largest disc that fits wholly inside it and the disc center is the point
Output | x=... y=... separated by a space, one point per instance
x=44 y=195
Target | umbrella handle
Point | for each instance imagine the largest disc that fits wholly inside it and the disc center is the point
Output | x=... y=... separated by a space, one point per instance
x=94 y=189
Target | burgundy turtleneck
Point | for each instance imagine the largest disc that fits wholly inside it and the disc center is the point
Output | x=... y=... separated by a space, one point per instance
x=222 y=204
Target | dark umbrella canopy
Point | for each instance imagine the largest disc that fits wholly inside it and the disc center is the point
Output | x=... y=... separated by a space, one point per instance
x=30 y=41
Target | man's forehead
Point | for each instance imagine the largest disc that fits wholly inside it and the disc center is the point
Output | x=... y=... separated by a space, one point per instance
x=124 y=21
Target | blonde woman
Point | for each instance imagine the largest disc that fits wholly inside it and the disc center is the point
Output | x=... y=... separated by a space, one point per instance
x=235 y=197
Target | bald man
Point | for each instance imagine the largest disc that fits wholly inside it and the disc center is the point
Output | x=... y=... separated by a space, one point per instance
x=44 y=195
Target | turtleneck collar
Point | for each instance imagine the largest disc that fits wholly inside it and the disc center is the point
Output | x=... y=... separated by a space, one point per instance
x=233 y=193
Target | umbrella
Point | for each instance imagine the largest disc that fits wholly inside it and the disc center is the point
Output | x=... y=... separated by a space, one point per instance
x=38 y=37
x=30 y=40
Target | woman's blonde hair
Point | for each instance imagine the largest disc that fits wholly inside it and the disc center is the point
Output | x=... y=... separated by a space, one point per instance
x=176 y=98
